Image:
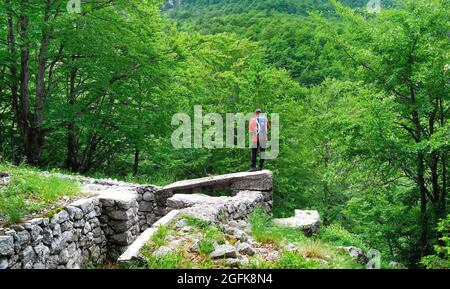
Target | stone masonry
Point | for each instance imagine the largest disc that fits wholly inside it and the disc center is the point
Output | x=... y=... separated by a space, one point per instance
x=92 y=229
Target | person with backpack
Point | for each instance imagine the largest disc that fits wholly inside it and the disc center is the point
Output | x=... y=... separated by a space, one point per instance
x=258 y=128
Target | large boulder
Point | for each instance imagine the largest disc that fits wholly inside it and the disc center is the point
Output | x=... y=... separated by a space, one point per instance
x=306 y=220
x=356 y=253
x=224 y=251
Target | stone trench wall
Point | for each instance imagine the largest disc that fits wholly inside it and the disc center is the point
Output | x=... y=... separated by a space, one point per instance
x=90 y=230
x=72 y=237
x=151 y=205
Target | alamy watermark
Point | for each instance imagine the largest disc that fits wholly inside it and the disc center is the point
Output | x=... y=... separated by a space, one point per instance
x=207 y=131
x=374 y=257
x=74 y=6
x=374 y=6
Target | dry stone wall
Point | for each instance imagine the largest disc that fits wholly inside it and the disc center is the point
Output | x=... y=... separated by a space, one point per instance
x=92 y=229
x=70 y=238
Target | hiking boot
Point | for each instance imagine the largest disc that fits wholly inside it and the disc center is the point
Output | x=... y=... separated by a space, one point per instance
x=253 y=169
x=260 y=169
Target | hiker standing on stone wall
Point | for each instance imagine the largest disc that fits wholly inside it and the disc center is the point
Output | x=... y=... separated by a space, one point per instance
x=258 y=129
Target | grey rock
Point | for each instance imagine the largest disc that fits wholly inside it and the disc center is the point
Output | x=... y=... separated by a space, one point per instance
x=36 y=221
x=125 y=238
x=77 y=234
x=290 y=247
x=235 y=232
x=107 y=203
x=97 y=232
x=60 y=243
x=60 y=217
x=66 y=226
x=150 y=219
x=121 y=215
x=75 y=213
x=28 y=265
x=195 y=247
x=180 y=224
x=91 y=215
x=39 y=266
x=47 y=234
x=146 y=206
x=83 y=241
x=57 y=229
x=148 y=197
x=67 y=254
x=98 y=210
x=94 y=252
x=6 y=245
x=15 y=266
x=223 y=251
x=162 y=251
x=94 y=223
x=79 y=224
x=23 y=237
x=125 y=205
x=17 y=228
x=306 y=220
x=356 y=253
x=63 y=256
x=86 y=228
x=3 y=263
x=233 y=223
x=52 y=262
x=27 y=255
x=42 y=253
x=35 y=232
x=103 y=219
x=235 y=262
x=87 y=206
x=273 y=256
x=242 y=224
x=186 y=229
x=245 y=248
x=121 y=226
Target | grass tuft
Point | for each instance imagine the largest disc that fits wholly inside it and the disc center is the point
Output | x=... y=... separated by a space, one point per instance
x=29 y=191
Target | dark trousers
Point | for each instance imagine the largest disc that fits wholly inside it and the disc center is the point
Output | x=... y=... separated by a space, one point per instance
x=255 y=147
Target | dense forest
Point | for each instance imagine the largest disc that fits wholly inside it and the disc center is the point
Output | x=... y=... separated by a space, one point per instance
x=363 y=100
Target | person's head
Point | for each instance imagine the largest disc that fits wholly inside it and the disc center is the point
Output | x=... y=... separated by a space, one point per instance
x=257 y=111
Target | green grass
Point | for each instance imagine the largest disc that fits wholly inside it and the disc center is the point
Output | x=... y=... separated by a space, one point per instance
x=169 y=261
x=29 y=191
x=339 y=236
x=195 y=222
x=312 y=252
x=264 y=231
x=210 y=236
x=159 y=238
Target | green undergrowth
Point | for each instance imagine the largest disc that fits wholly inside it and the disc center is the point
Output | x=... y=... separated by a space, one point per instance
x=312 y=252
x=30 y=191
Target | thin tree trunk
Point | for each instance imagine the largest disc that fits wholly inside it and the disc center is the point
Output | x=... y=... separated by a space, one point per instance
x=136 y=162
x=27 y=119
x=72 y=147
x=14 y=86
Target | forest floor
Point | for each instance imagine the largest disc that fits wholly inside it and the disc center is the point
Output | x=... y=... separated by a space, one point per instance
x=192 y=243
x=27 y=193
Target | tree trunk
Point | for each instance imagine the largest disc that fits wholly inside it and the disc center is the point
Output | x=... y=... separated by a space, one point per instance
x=14 y=86
x=423 y=205
x=72 y=147
x=27 y=122
x=136 y=162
